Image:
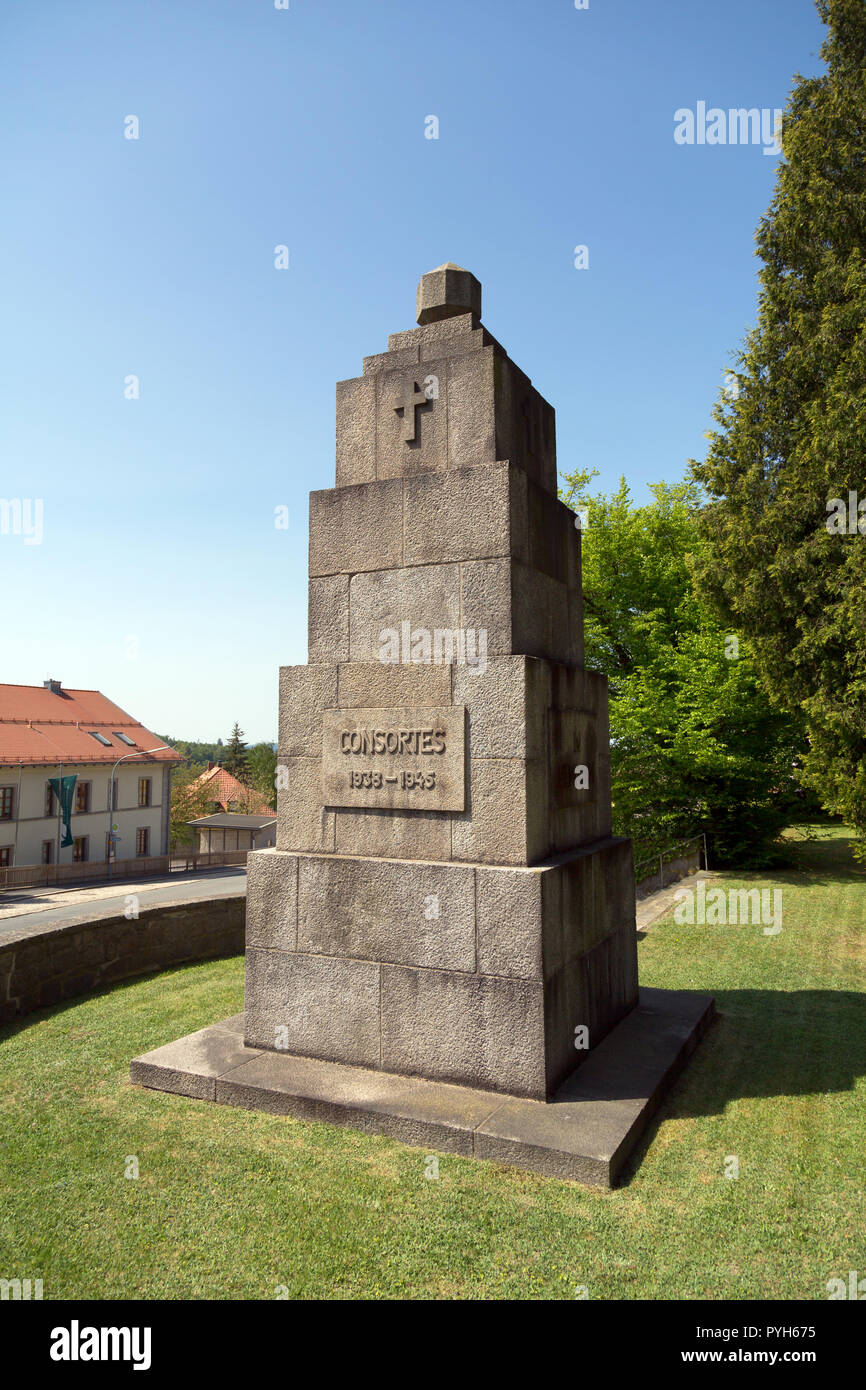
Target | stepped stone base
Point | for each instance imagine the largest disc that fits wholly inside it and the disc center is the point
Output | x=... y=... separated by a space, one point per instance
x=474 y=975
x=585 y=1133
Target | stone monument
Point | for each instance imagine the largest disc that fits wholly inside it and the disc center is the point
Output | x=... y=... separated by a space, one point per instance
x=442 y=945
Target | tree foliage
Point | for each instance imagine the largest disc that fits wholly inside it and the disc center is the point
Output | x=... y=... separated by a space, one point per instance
x=236 y=756
x=262 y=769
x=792 y=436
x=189 y=800
x=696 y=745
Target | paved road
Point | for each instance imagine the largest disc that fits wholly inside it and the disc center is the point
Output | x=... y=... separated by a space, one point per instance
x=45 y=907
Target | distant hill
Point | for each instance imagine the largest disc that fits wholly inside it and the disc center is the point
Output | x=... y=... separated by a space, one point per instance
x=195 y=752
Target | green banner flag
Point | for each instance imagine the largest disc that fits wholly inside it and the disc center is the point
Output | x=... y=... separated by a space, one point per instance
x=64 y=790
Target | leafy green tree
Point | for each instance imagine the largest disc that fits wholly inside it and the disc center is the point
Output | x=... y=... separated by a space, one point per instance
x=788 y=458
x=236 y=757
x=262 y=768
x=696 y=745
x=189 y=800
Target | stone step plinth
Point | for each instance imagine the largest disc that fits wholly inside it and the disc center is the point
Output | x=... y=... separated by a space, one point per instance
x=504 y=978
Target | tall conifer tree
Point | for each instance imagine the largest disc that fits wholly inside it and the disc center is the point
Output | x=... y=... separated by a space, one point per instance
x=790 y=447
x=235 y=759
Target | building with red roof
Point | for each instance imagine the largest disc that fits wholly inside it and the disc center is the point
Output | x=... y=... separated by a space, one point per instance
x=227 y=794
x=80 y=779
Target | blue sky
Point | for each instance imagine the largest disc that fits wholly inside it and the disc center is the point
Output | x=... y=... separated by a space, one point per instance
x=161 y=578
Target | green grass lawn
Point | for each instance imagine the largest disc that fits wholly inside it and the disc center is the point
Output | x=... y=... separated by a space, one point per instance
x=232 y=1204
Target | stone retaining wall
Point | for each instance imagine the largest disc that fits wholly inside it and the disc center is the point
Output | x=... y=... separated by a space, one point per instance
x=672 y=871
x=45 y=965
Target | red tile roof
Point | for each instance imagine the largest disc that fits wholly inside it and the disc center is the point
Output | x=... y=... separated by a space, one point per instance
x=38 y=725
x=227 y=790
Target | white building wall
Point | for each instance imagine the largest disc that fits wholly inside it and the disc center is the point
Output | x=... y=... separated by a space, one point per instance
x=33 y=827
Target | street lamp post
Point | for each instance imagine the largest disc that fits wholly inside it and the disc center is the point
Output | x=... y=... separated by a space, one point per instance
x=139 y=752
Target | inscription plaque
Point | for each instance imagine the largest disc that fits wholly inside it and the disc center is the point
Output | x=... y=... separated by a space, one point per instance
x=395 y=759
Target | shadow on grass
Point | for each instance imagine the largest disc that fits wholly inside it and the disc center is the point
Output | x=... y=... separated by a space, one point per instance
x=21 y=1022
x=824 y=861
x=764 y=1044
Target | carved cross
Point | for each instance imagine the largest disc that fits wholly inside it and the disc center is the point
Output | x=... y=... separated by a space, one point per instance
x=409 y=403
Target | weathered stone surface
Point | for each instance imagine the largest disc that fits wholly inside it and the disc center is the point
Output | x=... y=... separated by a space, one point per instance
x=272 y=899
x=422 y=1113
x=505 y=821
x=356 y=431
x=458 y=346
x=377 y=684
x=425 y=596
x=411 y=914
x=447 y=291
x=411 y=419
x=510 y=921
x=597 y=986
x=554 y=544
x=579 y=737
x=395 y=759
x=387 y=361
x=472 y=1029
x=441 y=332
x=540 y=616
x=574 y=688
x=317 y=1006
x=486 y=604
x=190 y=1066
x=525 y=424
x=507 y=703
x=356 y=528
x=305 y=691
x=303 y=822
x=480 y=408
x=597 y=888
x=395 y=834
x=328 y=634
x=575 y=620
x=605 y=985
x=463 y=514
x=576 y=812
x=472 y=409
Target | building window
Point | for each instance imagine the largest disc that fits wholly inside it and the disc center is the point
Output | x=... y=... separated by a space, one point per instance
x=80 y=854
x=50 y=800
x=82 y=797
x=7 y=796
x=114 y=789
x=5 y=856
x=144 y=788
x=142 y=841
x=47 y=851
